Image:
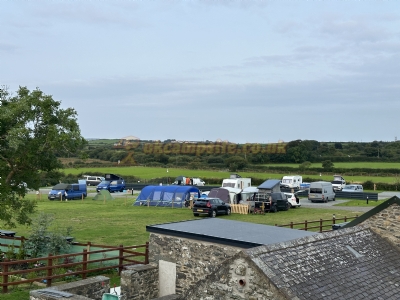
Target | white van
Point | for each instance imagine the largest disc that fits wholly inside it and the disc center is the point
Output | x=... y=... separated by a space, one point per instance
x=291 y=182
x=321 y=191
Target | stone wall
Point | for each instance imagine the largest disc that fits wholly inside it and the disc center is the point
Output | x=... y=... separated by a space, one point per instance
x=194 y=259
x=387 y=223
x=140 y=282
x=88 y=289
x=237 y=278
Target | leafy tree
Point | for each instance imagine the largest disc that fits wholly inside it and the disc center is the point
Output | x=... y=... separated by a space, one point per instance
x=338 y=145
x=327 y=165
x=235 y=163
x=34 y=132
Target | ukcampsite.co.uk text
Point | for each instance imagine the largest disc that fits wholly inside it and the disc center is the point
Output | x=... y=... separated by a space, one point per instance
x=199 y=149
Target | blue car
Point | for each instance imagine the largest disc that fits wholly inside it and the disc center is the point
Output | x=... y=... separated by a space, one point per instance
x=112 y=183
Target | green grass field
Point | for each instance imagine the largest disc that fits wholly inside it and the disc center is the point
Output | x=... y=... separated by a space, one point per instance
x=148 y=174
x=117 y=221
x=350 y=165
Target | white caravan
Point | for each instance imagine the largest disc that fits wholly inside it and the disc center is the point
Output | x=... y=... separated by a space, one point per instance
x=291 y=182
x=237 y=183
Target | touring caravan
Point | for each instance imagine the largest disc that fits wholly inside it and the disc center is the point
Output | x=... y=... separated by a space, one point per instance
x=321 y=191
x=291 y=182
x=237 y=182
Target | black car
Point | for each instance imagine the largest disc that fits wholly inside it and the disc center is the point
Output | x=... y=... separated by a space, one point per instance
x=272 y=202
x=211 y=207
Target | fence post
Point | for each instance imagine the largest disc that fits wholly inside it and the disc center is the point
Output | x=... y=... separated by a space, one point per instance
x=49 y=270
x=5 y=276
x=84 y=263
x=88 y=249
x=320 y=225
x=146 y=259
x=291 y=225
x=121 y=259
x=345 y=218
x=305 y=225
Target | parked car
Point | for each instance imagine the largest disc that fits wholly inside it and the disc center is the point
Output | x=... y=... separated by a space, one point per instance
x=354 y=188
x=272 y=202
x=93 y=180
x=293 y=200
x=338 y=183
x=211 y=207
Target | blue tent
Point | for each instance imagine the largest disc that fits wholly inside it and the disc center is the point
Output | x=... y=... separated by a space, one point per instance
x=167 y=196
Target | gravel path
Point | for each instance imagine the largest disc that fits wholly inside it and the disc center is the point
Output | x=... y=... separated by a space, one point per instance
x=331 y=204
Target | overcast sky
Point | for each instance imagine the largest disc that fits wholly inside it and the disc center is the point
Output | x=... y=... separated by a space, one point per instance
x=243 y=71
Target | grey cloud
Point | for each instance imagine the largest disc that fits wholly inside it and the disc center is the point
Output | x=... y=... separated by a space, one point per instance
x=8 y=47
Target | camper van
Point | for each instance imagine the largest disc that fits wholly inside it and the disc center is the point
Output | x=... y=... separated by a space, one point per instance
x=291 y=182
x=237 y=182
x=68 y=191
x=321 y=191
x=338 y=182
x=112 y=183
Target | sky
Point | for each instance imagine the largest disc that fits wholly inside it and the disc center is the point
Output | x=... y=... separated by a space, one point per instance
x=246 y=71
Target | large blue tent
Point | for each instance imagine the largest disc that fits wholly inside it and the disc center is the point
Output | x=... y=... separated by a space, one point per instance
x=167 y=195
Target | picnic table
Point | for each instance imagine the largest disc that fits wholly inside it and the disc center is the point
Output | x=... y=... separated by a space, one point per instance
x=7 y=233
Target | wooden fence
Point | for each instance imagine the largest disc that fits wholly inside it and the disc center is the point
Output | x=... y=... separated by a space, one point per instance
x=321 y=224
x=240 y=209
x=47 y=269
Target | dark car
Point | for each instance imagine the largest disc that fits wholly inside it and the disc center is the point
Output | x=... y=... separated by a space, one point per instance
x=272 y=202
x=211 y=207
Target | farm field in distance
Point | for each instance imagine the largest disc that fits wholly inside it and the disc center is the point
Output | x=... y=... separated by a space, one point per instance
x=348 y=165
x=146 y=174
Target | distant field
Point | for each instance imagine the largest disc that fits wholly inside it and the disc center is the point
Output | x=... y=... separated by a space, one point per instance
x=349 y=165
x=148 y=173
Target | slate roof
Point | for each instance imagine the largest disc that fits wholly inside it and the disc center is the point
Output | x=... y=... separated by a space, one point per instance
x=269 y=184
x=228 y=232
x=353 y=263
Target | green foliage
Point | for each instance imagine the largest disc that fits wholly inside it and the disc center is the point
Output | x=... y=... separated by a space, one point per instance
x=43 y=241
x=304 y=166
x=235 y=163
x=327 y=165
x=34 y=132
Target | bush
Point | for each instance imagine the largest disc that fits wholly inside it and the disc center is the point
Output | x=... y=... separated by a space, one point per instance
x=42 y=241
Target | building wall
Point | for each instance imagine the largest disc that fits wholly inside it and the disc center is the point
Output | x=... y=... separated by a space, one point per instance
x=140 y=282
x=387 y=223
x=237 y=278
x=194 y=259
x=91 y=288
